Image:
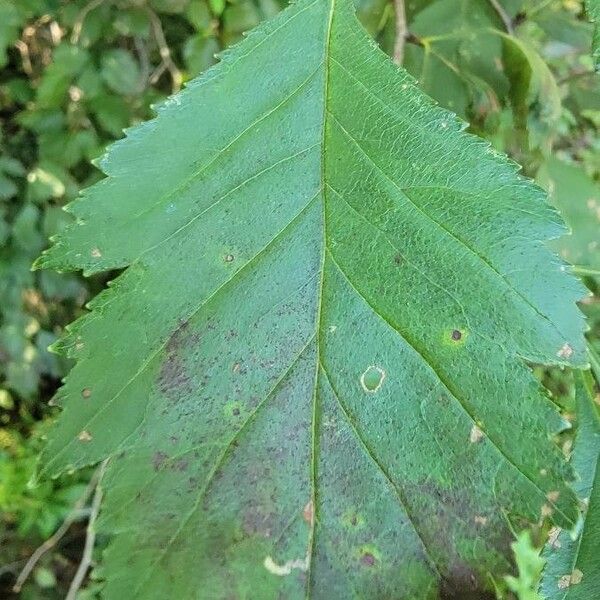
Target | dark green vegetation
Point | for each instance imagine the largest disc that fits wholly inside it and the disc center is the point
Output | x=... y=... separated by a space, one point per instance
x=474 y=460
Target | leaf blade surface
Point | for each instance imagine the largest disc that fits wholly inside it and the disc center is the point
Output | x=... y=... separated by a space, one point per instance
x=313 y=363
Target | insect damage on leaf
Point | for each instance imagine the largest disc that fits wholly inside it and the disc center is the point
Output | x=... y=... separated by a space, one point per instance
x=282 y=375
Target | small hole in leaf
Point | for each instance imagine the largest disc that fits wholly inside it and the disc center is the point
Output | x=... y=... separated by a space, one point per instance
x=456 y=335
x=229 y=258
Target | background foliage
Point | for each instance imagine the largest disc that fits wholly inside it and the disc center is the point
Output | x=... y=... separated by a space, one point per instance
x=75 y=73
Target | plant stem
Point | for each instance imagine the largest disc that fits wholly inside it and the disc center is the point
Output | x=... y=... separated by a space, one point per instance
x=401 y=31
x=90 y=538
x=73 y=515
x=506 y=20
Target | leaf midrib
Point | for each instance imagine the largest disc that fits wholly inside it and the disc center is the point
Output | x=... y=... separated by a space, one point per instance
x=319 y=316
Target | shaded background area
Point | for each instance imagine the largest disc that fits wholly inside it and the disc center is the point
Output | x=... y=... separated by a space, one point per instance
x=74 y=73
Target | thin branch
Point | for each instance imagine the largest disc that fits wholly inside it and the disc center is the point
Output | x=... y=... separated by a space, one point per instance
x=73 y=516
x=401 y=31
x=165 y=53
x=90 y=538
x=506 y=20
x=142 y=53
x=576 y=75
x=77 y=27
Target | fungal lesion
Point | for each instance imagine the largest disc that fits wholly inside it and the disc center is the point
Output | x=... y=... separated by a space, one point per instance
x=369 y=556
x=372 y=379
x=352 y=519
x=233 y=409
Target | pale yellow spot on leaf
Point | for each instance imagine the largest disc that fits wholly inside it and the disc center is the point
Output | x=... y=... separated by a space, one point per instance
x=84 y=436
x=286 y=568
x=565 y=352
x=576 y=577
x=476 y=434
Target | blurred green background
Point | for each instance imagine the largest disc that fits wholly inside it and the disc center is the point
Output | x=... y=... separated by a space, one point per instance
x=74 y=74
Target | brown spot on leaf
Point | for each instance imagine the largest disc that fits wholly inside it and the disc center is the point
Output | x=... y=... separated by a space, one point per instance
x=158 y=460
x=367 y=559
x=461 y=583
x=173 y=376
x=572 y=579
x=86 y=392
x=180 y=465
x=229 y=258
x=398 y=259
x=576 y=577
x=308 y=513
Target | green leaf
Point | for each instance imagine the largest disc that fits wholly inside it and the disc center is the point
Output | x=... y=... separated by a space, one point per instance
x=530 y=566
x=578 y=198
x=458 y=62
x=67 y=63
x=120 y=71
x=199 y=53
x=9 y=27
x=310 y=378
x=532 y=84
x=593 y=11
x=571 y=571
x=217 y=6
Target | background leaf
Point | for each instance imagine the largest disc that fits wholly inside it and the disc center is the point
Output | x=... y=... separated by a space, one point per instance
x=572 y=572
